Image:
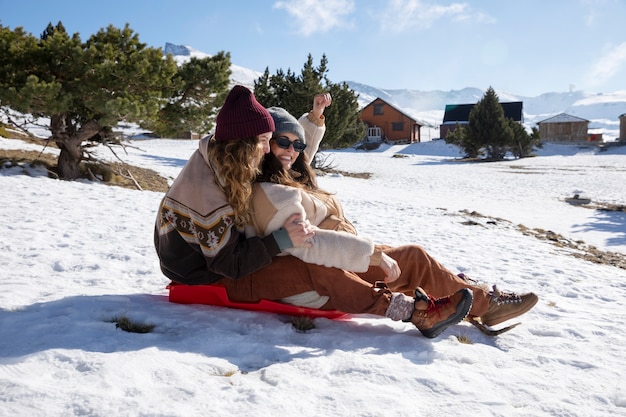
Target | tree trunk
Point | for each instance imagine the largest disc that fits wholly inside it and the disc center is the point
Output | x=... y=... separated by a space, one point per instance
x=68 y=165
x=69 y=139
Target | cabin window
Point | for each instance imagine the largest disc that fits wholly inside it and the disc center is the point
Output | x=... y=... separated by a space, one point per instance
x=397 y=126
x=378 y=110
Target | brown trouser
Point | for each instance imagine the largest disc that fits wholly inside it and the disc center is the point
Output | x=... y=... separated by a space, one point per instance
x=353 y=292
x=419 y=269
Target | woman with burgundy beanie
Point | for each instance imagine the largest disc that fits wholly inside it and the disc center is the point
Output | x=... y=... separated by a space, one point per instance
x=200 y=232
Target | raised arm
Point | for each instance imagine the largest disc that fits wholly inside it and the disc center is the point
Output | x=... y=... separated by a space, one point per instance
x=314 y=124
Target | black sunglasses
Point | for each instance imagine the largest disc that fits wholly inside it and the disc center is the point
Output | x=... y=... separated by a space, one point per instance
x=283 y=142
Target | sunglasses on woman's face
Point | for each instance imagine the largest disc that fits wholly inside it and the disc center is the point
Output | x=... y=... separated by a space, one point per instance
x=283 y=142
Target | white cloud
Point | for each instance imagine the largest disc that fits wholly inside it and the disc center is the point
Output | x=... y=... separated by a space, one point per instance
x=405 y=14
x=313 y=16
x=608 y=66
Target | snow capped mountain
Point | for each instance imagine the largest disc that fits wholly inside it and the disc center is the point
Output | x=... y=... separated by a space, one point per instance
x=239 y=75
x=180 y=50
x=602 y=110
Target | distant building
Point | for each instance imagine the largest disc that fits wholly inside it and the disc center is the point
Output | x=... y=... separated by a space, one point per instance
x=622 y=128
x=385 y=123
x=188 y=134
x=565 y=128
x=459 y=113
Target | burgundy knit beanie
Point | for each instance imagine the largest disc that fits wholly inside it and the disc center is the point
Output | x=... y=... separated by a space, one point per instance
x=242 y=116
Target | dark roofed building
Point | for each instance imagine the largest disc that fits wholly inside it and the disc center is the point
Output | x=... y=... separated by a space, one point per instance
x=459 y=113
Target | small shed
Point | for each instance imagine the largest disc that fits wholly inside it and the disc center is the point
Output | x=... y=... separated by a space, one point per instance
x=386 y=123
x=564 y=128
x=459 y=113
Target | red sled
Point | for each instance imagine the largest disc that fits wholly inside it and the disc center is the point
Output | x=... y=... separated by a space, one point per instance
x=215 y=295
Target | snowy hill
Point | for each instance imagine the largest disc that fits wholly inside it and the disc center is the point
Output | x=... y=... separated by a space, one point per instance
x=602 y=110
x=68 y=277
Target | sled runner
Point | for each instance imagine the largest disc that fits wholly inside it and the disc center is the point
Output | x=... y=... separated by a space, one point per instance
x=488 y=330
x=216 y=295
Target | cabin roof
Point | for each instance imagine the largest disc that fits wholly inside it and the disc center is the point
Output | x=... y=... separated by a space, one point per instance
x=460 y=112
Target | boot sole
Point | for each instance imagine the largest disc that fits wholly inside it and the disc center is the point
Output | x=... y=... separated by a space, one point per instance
x=462 y=309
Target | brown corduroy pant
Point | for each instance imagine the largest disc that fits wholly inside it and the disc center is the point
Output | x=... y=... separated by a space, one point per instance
x=352 y=292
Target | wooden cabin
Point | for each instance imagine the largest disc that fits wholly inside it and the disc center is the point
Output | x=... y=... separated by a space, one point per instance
x=564 y=128
x=459 y=113
x=385 y=123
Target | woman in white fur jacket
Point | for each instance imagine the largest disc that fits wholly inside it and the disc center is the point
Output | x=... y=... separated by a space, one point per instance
x=287 y=185
x=292 y=147
x=273 y=202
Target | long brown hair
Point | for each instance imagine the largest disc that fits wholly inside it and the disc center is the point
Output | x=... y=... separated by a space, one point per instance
x=237 y=165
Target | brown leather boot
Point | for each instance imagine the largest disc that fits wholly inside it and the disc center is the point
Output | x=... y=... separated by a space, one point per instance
x=436 y=315
x=504 y=306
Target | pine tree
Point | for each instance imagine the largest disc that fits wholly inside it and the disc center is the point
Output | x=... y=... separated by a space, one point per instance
x=459 y=137
x=295 y=94
x=278 y=90
x=343 y=126
x=523 y=143
x=83 y=88
x=262 y=90
x=488 y=127
x=198 y=88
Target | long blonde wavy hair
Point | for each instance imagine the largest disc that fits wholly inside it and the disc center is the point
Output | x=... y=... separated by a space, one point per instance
x=237 y=165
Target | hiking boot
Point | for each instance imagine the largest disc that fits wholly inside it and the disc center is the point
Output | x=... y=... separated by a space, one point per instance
x=504 y=306
x=440 y=313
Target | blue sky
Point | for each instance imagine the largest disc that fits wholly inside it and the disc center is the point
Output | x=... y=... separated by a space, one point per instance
x=524 y=47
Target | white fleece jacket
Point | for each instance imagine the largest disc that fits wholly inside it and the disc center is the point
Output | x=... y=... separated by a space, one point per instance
x=274 y=203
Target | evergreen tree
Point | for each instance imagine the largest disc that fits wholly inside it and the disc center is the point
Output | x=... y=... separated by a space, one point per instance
x=278 y=90
x=198 y=88
x=535 y=136
x=460 y=138
x=520 y=141
x=15 y=54
x=262 y=90
x=295 y=94
x=488 y=127
x=523 y=143
x=83 y=88
x=343 y=126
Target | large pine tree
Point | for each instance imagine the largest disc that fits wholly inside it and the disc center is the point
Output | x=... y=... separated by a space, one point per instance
x=488 y=126
x=86 y=88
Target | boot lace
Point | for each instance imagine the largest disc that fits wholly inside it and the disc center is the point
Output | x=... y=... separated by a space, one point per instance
x=434 y=305
x=502 y=297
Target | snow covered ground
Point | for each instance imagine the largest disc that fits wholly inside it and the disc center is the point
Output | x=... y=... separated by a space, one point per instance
x=74 y=256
